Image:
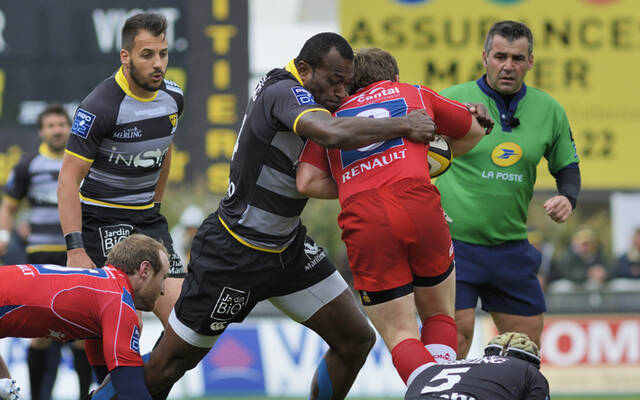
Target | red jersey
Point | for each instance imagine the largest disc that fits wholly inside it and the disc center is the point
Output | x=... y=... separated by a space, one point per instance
x=384 y=163
x=65 y=303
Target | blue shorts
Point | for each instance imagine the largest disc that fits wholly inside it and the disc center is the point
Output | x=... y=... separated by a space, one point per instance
x=503 y=277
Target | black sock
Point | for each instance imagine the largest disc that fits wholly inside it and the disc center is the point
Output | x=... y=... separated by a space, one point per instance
x=36 y=362
x=83 y=369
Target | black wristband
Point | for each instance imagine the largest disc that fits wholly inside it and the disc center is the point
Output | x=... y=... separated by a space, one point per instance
x=74 y=240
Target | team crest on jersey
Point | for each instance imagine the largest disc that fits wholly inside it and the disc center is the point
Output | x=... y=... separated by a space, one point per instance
x=82 y=123
x=506 y=154
x=303 y=95
x=173 y=118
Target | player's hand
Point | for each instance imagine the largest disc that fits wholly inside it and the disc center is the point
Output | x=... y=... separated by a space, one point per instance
x=4 y=245
x=558 y=208
x=9 y=390
x=78 y=258
x=422 y=127
x=481 y=113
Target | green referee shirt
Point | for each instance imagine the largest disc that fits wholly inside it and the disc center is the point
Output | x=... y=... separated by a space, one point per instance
x=487 y=191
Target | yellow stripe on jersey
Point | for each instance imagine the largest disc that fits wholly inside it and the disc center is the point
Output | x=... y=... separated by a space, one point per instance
x=46 y=151
x=11 y=199
x=114 y=205
x=121 y=80
x=244 y=242
x=78 y=156
x=46 y=248
x=295 y=123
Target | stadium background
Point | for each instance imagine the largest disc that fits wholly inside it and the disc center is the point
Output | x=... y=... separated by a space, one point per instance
x=586 y=57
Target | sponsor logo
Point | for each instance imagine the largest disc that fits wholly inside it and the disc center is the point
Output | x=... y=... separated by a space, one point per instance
x=506 y=154
x=144 y=159
x=129 y=133
x=314 y=253
x=135 y=340
x=151 y=111
x=230 y=303
x=218 y=326
x=502 y=176
x=82 y=123
x=364 y=296
x=303 y=95
x=112 y=235
x=373 y=163
x=377 y=93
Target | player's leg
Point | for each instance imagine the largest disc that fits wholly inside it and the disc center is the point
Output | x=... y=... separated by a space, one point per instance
x=531 y=325
x=395 y=320
x=82 y=367
x=465 y=322
x=329 y=309
x=435 y=302
x=172 y=287
x=4 y=370
x=38 y=365
x=173 y=356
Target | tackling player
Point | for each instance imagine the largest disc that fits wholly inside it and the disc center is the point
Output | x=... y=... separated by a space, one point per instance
x=63 y=303
x=397 y=239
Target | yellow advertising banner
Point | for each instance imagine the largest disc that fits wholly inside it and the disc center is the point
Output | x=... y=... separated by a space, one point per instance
x=586 y=55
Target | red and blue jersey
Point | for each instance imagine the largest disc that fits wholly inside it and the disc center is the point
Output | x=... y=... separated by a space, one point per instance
x=65 y=303
x=381 y=164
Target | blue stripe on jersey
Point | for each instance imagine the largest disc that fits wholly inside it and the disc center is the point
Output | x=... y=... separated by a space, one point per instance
x=6 y=309
x=348 y=157
x=127 y=299
x=50 y=269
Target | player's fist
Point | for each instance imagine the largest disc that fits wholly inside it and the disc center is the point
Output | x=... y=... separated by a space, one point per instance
x=481 y=113
x=421 y=127
x=79 y=258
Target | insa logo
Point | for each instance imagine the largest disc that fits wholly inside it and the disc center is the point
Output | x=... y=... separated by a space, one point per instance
x=82 y=123
x=506 y=154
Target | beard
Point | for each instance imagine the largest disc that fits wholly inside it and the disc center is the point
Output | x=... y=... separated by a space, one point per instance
x=140 y=80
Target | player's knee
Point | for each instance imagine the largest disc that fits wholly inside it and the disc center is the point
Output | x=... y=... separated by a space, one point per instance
x=464 y=344
x=357 y=346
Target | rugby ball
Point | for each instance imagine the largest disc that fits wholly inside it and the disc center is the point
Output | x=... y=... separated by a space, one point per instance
x=439 y=156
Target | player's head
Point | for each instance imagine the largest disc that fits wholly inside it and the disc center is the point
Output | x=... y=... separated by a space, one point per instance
x=145 y=51
x=325 y=65
x=371 y=65
x=54 y=127
x=514 y=344
x=507 y=56
x=146 y=262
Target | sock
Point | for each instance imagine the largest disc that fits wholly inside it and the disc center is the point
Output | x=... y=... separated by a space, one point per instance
x=323 y=380
x=37 y=366
x=440 y=337
x=83 y=369
x=409 y=355
x=108 y=391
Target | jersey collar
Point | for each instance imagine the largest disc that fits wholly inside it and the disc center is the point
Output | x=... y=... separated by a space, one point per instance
x=505 y=113
x=291 y=67
x=45 y=151
x=121 y=80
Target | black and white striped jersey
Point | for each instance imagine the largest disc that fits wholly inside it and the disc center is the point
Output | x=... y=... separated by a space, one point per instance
x=125 y=137
x=36 y=178
x=262 y=207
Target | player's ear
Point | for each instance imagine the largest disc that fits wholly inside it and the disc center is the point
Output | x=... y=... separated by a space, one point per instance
x=145 y=270
x=124 y=56
x=484 y=58
x=304 y=70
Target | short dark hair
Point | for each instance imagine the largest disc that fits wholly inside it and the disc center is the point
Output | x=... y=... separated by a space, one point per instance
x=53 y=108
x=317 y=46
x=130 y=252
x=510 y=30
x=372 y=65
x=154 y=23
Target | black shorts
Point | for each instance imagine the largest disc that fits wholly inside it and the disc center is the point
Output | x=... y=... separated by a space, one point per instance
x=103 y=227
x=225 y=279
x=47 y=257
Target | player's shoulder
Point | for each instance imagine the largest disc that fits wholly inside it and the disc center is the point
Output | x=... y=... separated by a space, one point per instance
x=172 y=86
x=104 y=98
x=543 y=98
x=26 y=159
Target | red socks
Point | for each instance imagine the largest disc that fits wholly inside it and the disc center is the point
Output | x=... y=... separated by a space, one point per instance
x=440 y=336
x=409 y=355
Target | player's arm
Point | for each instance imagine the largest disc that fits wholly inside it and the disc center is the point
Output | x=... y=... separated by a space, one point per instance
x=463 y=145
x=313 y=176
x=74 y=169
x=8 y=210
x=164 y=176
x=568 y=182
x=129 y=383
x=355 y=132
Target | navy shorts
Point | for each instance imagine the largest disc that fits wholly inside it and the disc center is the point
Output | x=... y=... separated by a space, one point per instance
x=503 y=277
